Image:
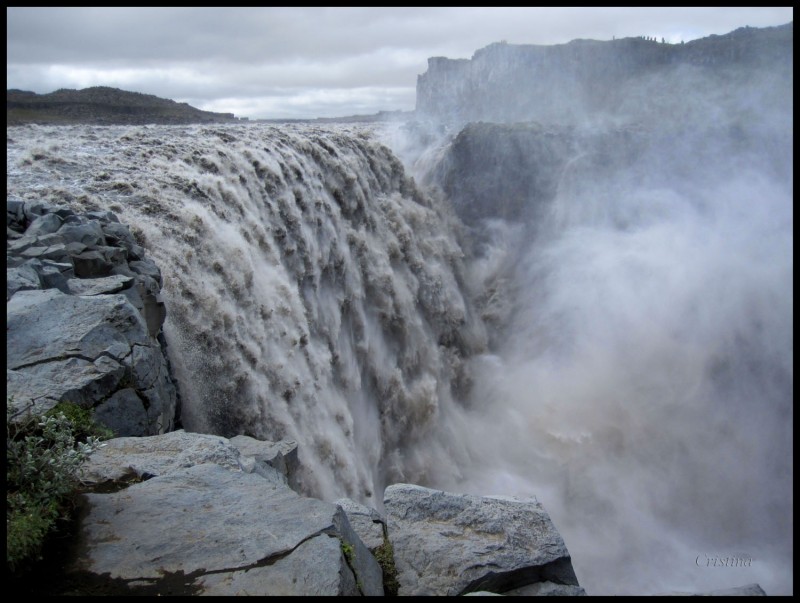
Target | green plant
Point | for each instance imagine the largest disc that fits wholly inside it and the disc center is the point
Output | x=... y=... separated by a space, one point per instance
x=43 y=459
x=384 y=555
x=348 y=551
x=82 y=420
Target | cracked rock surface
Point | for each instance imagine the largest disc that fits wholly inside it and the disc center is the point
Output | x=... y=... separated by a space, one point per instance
x=81 y=331
x=452 y=544
x=225 y=530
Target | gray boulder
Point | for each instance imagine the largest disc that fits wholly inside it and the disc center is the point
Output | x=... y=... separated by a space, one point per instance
x=226 y=532
x=85 y=350
x=89 y=233
x=144 y=457
x=46 y=224
x=270 y=456
x=452 y=544
x=99 y=286
x=367 y=522
x=22 y=278
x=55 y=275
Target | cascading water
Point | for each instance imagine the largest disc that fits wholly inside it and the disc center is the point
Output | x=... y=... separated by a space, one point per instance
x=627 y=358
x=313 y=292
x=641 y=383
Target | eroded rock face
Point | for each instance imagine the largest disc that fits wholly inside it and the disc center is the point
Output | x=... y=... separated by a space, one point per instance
x=630 y=78
x=83 y=320
x=452 y=544
x=202 y=518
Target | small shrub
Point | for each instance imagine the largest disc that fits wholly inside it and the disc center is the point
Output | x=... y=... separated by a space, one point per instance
x=83 y=423
x=44 y=455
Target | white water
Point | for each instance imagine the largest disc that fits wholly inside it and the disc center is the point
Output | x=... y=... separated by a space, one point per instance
x=312 y=291
x=642 y=390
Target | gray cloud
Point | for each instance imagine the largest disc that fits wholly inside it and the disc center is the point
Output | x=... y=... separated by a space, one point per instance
x=289 y=62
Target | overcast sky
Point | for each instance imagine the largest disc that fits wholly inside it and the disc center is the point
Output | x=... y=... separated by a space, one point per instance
x=307 y=62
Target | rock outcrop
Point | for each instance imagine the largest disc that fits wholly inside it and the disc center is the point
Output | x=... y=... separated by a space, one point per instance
x=453 y=544
x=198 y=514
x=367 y=522
x=84 y=318
x=212 y=520
x=630 y=78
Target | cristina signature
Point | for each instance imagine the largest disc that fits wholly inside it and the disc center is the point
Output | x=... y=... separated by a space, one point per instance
x=704 y=560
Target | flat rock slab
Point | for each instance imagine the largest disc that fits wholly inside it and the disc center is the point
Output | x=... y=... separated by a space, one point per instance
x=122 y=458
x=99 y=286
x=452 y=544
x=317 y=567
x=225 y=530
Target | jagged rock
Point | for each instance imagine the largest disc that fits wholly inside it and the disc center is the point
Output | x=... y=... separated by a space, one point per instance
x=87 y=232
x=76 y=258
x=22 y=278
x=72 y=380
x=99 y=286
x=367 y=522
x=56 y=253
x=55 y=275
x=83 y=350
x=105 y=217
x=46 y=224
x=15 y=214
x=451 y=544
x=147 y=268
x=280 y=456
x=31 y=211
x=228 y=532
x=126 y=411
x=91 y=264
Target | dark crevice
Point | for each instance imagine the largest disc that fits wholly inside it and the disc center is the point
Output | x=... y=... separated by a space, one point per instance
x=70 y=357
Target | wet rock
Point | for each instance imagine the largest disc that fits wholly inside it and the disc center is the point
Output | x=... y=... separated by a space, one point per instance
x=452 y=544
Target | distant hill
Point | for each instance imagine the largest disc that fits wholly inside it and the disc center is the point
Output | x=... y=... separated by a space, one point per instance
x=102 y=105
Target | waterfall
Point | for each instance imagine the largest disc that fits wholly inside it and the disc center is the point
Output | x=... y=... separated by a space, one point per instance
x=624 y=352
x=313 y=292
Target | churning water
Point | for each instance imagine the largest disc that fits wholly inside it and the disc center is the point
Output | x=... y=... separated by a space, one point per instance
x=630 y=364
